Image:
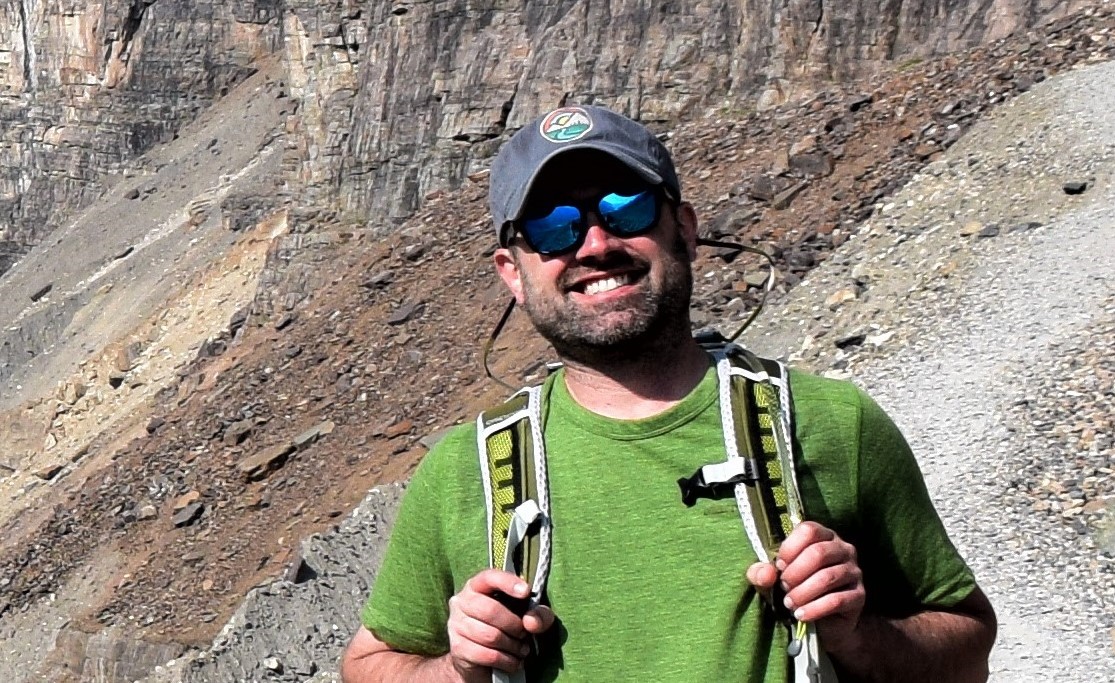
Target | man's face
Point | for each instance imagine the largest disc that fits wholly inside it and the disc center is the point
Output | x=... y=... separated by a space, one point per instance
x=610 y=294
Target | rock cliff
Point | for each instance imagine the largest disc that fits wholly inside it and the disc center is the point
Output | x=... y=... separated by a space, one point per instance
x=87 y=86
x=401 y=98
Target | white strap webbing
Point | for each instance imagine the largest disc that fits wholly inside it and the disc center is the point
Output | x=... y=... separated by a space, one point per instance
x=526 y=514
x=728 y=427
x=542 y=489
x=812 y=665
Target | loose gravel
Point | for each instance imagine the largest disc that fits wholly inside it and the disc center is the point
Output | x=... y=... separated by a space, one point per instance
x=978 y=307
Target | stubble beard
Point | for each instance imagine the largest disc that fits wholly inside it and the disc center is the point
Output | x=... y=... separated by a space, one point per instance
x=631 y=328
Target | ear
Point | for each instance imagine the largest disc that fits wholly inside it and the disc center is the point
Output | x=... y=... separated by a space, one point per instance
x=508 y=268
x=687 y=224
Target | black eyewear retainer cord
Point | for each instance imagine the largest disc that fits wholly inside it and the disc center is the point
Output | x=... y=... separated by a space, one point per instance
x=736 y=249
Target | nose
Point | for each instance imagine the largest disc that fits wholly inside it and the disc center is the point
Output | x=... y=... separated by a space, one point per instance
x=598 y=241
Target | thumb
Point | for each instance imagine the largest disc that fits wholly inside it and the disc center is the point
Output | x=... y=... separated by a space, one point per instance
x=762 y=575
x=539 y=620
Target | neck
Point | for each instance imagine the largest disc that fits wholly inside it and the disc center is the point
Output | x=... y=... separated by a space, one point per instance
x=639 y=386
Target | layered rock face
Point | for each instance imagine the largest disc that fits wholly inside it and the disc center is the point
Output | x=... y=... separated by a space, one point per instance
x=86 y=86
x=401 y=98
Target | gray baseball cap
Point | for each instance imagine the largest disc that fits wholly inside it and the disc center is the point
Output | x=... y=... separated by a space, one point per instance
x=563 y=130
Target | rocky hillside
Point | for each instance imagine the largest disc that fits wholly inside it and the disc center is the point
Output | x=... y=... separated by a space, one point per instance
x=263 y=318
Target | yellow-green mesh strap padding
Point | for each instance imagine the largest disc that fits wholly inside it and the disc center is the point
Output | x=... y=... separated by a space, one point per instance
x=501 y=472
x=767 y=409
x=746 y=440
x=757 y=407
x=511 y=479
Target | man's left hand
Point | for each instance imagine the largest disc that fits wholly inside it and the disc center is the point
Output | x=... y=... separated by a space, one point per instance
x=822 y=581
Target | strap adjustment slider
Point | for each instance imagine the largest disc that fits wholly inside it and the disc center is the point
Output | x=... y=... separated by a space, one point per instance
x=717 y=480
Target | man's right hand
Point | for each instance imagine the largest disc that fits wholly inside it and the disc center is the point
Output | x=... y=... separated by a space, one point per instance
x=484 y=634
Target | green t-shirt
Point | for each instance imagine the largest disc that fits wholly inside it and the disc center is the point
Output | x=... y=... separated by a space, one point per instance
x=646 y=589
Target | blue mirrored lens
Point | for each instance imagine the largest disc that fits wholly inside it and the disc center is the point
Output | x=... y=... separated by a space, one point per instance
x=555 y=231
x=628 y=214
x=564 y=227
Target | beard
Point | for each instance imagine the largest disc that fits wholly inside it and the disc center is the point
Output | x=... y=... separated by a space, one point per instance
x=656 y=314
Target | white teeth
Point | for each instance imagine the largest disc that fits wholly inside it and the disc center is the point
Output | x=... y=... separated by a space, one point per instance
x=606 y=285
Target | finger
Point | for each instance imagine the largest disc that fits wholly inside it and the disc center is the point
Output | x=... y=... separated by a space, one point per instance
x=815 y=558
x=828 y=580
x=468 y=654
x=488 y=636
x=539 y=619
x=840 y=603
x=488 y=610
x=803 y=536
x=491 y=580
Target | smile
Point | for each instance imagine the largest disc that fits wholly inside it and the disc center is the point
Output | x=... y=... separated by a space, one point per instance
x=607 y=284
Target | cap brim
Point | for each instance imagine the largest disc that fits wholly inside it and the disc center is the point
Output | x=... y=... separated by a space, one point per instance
x=518 y=201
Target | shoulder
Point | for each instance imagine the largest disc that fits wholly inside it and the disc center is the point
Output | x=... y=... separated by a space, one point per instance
x=812 y=394
x=836 y=417
x=807 y=388
x=827 y=405
x=815 y=396
x=453 y=456
x=455 y=438
x=456 y=452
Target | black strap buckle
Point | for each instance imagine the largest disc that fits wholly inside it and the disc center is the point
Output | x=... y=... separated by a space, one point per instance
x=698 y=486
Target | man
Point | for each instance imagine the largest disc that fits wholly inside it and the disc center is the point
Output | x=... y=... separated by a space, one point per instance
x=597 y=245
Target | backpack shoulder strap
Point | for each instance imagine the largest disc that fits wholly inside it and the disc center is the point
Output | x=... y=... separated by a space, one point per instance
x=513 y=471
x=762 y=413
x=761 y=399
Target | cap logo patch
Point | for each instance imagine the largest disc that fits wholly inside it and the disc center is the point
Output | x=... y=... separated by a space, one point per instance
x=565 y=125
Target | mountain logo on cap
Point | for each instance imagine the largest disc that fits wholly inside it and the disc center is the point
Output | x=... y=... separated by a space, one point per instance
x=565 y=124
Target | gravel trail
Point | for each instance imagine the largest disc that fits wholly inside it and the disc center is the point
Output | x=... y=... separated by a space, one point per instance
x=958 y=391
x=985 y=301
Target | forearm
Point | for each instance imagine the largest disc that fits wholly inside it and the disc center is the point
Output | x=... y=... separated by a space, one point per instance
x=389 y=666
x=929 y=647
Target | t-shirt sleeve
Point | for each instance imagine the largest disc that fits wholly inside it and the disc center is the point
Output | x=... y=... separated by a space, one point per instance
x=408 y=606
x=908 y=558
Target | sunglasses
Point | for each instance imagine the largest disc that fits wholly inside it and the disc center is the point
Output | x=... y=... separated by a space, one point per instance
x=563 y=228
